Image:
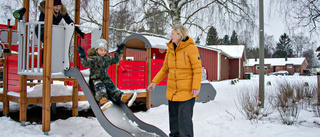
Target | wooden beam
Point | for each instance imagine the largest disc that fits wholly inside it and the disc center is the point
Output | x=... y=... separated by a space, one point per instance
x=75 y=86
x=38 y=100
x=5 y=87
x=76 y=21
x=13 y=99
x=105 y=21
x=148 y=95
x=23 y=98
x=9 y=36
x=46 y=90
x=75 y=96
x=141 y=96
x=26 y=4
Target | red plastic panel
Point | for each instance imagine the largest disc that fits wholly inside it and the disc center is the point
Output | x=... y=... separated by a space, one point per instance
x=12 y=76
x=85 y=43
x=156 y=65
x=132 y=75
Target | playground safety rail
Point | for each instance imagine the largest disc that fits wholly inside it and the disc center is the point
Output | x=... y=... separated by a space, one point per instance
x=30 y=59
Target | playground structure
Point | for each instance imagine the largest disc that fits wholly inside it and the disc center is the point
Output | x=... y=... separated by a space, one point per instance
x=28 y=66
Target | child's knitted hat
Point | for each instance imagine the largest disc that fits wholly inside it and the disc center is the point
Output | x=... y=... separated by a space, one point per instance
x=101 y=43
x=57 y=2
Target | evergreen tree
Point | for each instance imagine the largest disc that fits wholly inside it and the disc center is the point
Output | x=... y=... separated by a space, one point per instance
x=284 y=47
x=212 y=37
x=225 y=40
x=198 y=40
x=234 y=38
x=252 y=52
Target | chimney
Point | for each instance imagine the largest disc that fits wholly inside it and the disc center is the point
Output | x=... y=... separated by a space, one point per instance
x=255 y=59
x=286 y=58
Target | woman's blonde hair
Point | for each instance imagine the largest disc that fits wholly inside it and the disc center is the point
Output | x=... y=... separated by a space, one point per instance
x=181 y=30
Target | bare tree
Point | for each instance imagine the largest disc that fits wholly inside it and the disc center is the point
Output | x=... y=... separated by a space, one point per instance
x=197 y=15
x=306 y=13
x=269 y=46
x=300 y=43
x=193 y=12
x=8 y=7
x=200 y=14
x=310 y=56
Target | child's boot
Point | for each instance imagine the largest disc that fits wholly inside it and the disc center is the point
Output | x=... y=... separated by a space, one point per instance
x=131 y=99
x=105 y=104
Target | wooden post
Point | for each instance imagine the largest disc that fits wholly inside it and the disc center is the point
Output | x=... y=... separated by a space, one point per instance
x=46 y=90
x=75 y=87
x=124 y=54
x=8 y=22
x=76 y=21
x=23 y=94
x=105 y=21
x=6 y=53
x=9 y=36
x=16 y=24
x=26 y=4
x=23 y=99
x=75 y=96
x=148 y=95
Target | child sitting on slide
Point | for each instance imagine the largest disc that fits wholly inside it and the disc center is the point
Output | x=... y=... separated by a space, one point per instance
x=99 y=80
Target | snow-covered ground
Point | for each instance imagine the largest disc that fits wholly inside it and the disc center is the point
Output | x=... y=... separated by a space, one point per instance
x=217 y=118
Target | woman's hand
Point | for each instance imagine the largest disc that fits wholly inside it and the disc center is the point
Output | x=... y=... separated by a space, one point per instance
x=195 y=92
x=151 y=86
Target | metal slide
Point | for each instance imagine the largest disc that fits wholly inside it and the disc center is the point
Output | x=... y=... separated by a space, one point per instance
x=118 y=120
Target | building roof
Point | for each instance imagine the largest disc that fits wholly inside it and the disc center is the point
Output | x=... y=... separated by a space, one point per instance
x=276 y=61
x=138 y=41
x=234 y=51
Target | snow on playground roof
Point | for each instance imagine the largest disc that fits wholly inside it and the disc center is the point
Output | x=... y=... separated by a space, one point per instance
x=138 y=41
x=276 y=61
x=156 y=42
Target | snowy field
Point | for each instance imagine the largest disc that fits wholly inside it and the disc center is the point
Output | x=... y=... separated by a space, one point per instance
x=217 y=118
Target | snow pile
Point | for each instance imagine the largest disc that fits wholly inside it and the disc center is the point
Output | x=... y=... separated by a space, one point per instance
x=217 y=118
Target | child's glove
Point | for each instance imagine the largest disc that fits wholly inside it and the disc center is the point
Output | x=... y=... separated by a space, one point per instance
x=82 y=53
x=120 y=48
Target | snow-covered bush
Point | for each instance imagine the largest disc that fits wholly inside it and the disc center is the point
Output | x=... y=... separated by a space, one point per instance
x=250 y=105
x=287 y=102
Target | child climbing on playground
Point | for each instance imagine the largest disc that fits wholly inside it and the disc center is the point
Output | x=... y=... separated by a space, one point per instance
x=104 y=89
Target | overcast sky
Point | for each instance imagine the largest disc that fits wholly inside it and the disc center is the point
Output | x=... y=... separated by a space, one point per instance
x=274 y=24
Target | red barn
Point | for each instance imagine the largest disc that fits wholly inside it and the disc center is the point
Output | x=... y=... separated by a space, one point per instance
x=221 y=62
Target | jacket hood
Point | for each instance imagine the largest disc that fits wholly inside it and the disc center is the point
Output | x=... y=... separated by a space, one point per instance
x=182 y=44
x=42 y=8
x=91 y=52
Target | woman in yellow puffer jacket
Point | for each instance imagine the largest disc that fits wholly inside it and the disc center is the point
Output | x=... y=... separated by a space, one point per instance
x=183 y=66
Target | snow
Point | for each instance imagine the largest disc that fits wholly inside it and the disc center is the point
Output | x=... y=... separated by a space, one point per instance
x=217 y=118
x=156 y=42
x=276 y=61
x=235 y=51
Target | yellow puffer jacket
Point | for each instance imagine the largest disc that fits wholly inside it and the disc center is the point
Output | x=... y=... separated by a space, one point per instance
x=184 y=70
